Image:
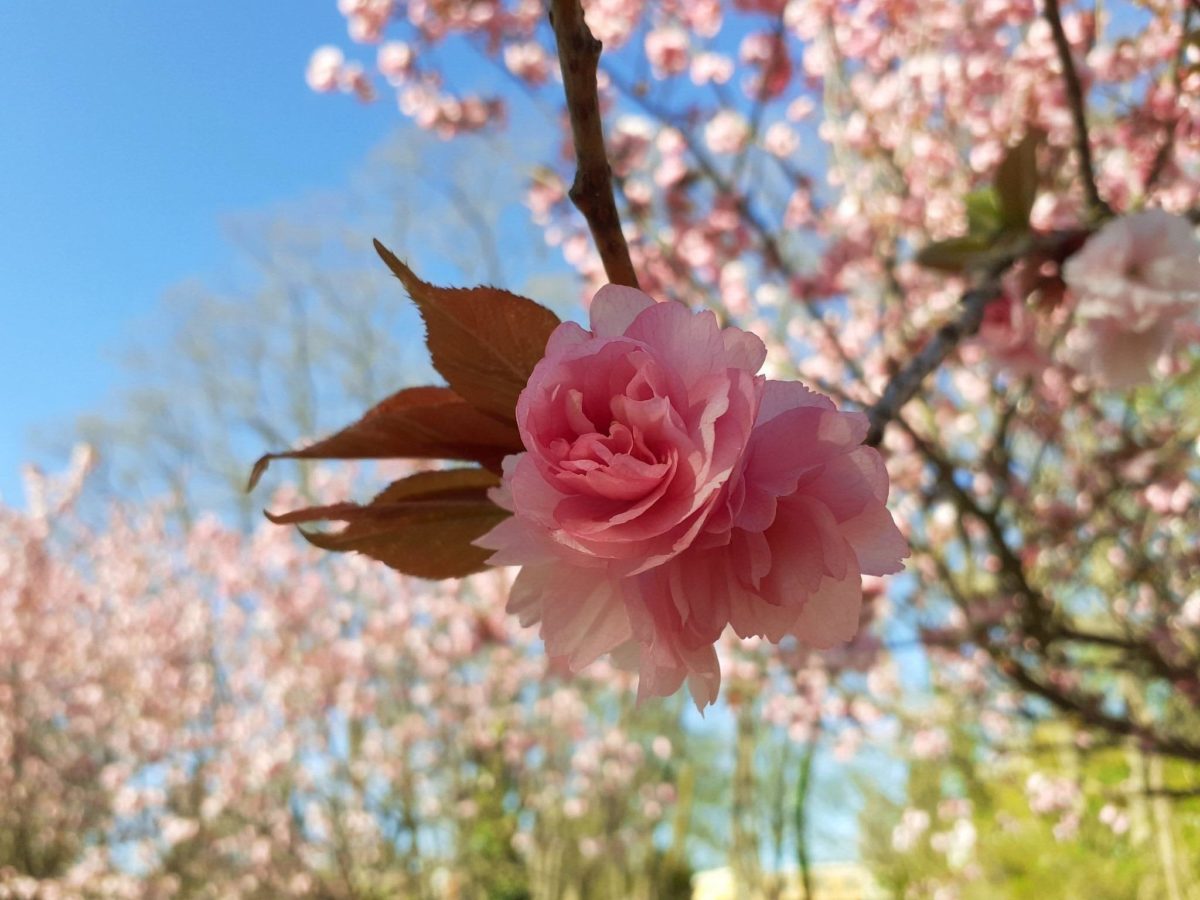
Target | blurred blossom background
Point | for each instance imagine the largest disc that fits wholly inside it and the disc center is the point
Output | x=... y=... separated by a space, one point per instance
x=195 y=703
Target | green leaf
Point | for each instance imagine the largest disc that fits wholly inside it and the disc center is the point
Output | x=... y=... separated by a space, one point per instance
x=984 y=216
x=415 y=423
x=422 y=525
x=484 y=341
x=956 y=254
x=1016 y=182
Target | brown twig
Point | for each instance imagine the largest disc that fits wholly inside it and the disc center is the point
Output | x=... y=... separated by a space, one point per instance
x=904 y=385
x=1167 y=148
x=591 y=192
x=1090 y=711
x=1075 y=101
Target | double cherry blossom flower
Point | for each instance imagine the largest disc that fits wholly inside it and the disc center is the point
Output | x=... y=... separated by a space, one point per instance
x=1136 y=283
x=668 y=491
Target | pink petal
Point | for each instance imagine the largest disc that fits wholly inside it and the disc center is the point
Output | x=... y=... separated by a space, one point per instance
x=614 y=308
x=517 y=543
x=878 y=544
x=526 y=596
x=662 y=673
x=704 y=676
x=700 y=584
x=743 y=350
x=750 y=615
x=849 y=483
x=686 y=343
x=781 y=396
x=581 y=619
x=831 y=615
x=806 y=545
x=790 y=444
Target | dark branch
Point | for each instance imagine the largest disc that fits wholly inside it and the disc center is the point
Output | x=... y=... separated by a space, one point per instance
x=904 y=384
x=1075 y=101
x=591 y=192
x=1043 y=627
x=1089 y=710
x=1178 y=67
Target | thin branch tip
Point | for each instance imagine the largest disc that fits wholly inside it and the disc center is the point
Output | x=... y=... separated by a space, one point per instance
x=592 y=189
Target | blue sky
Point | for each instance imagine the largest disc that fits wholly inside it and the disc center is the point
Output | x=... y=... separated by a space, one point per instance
x=127 y=132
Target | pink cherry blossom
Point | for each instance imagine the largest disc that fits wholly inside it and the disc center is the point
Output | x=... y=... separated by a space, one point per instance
x=781 y=140
x=395 y=61
x=667 y=50
x=632 y=428
x=1134 y=281
x=528 y=61
x=714 y=68
x=801 y=522
x=913 y=824
x=767 y=54
x=354 y=80
x=324 y=69
x=648 y=515
x=1008 y=338
x=727 y=132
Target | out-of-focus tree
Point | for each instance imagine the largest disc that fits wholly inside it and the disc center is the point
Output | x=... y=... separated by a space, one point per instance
x=1054 y=817
x=186 y=710
x=202 y=713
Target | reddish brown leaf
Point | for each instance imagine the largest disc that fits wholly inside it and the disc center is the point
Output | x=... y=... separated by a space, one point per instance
x=484 y=341
x=337 y=512
x=416 y=423
x=422 y=525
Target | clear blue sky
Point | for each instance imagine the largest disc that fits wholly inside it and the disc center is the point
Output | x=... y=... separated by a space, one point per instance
x=127 y=130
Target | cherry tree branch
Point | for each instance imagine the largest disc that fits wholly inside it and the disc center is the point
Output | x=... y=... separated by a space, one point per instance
x=1075 y=101
x=1044 y=625
x=1178 y=66
x=591 y=191
x=905 y=384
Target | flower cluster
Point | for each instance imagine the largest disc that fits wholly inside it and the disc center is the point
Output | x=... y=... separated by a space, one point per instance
x=1137 y=283
x=668 y=491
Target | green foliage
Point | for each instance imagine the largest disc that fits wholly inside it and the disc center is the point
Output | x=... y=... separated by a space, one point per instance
x=1068 y=852
x=1016 y=183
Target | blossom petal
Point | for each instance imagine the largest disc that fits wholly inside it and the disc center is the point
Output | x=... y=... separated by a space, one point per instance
x=877 y=542
x=686 y=343
x=580 y=619
x=830 y=615
x=743 y=350
x=614 y=308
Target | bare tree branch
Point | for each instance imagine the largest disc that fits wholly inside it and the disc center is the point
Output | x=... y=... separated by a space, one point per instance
x=1075 y=101
x=1167 y=148
x=591 y=192
x=905 y=384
